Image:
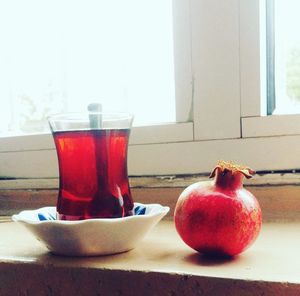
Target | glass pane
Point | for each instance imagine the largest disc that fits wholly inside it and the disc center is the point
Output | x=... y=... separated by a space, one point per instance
x=287 y=56
x=60 y=55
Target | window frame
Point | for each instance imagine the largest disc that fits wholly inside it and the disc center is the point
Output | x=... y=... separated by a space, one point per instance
x=219 y=50
x=254 y=118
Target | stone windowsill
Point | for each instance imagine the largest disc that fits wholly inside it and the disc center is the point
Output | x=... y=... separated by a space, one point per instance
x=160 y=265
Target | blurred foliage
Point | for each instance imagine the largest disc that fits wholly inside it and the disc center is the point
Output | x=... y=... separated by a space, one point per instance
x=34 y=110
x=293 y=74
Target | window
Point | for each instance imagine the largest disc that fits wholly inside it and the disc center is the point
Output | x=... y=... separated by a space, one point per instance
x=263 y=68
x=220 y=94
x=283 y=56
x=59 y=55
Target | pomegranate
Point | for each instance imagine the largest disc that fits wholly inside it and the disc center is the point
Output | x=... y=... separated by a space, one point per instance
x=219 y=217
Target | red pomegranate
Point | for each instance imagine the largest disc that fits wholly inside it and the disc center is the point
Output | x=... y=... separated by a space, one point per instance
x=219 y=217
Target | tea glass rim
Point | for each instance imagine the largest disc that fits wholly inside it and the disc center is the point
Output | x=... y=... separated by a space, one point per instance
x=90 y=120
x=111 y=114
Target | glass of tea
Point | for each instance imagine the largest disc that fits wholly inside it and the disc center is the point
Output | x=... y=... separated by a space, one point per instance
x=92 y=158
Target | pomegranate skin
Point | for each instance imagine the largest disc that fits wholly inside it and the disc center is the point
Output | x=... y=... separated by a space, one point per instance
x=218 y=218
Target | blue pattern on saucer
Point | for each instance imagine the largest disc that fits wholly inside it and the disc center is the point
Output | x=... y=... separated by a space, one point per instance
x=46 y=216
x=140 y=210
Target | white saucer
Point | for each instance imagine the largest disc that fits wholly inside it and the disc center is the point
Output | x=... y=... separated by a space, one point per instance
x=94 y=236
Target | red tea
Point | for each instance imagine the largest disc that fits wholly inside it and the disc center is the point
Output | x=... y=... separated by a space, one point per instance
x=93 y=174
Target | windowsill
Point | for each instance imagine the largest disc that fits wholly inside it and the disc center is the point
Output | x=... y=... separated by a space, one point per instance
x=160 y=265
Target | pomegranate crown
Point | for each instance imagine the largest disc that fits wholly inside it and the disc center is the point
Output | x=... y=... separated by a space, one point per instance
x=224 y=166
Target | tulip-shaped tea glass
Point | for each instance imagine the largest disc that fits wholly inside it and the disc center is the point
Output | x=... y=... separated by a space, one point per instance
x=92 y=158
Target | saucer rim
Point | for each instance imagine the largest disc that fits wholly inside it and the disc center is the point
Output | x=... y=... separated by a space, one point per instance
x=161 y=210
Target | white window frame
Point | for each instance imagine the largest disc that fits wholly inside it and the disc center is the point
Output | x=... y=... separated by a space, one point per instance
x=255 y=123
x=218 y=56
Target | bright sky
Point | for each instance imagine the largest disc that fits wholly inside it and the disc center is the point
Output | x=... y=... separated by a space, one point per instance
x=287 y=20
x=119 y=52
x=287 y=37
